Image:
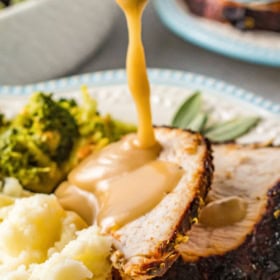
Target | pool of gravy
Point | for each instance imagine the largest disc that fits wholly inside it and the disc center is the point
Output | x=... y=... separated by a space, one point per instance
x=124 y=180
x=118 y=184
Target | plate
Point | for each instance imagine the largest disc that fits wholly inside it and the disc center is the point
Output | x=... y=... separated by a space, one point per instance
x=169 y=89
x=256 y=47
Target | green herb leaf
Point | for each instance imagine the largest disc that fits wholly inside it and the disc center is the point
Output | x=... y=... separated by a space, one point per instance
x=230 y=130
x=198 y=123
x=188 y=111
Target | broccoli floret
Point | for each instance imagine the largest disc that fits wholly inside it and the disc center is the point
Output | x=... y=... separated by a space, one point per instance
x=21 y=158
x=4 y=123
x=96 y=131
x=2 y=119
x=37 y=143
x=51 y=126
x=90 y=121
x=85 y=113
x=48 y=138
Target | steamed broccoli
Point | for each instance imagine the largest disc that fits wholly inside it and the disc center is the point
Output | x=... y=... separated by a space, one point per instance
x=37 y=142
x=4 y=123
x=2 y=120
x=96 y=131
x=48 y=138
x=52 y=127
x=21 y=158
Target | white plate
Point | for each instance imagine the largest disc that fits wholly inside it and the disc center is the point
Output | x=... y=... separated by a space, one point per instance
x=169 y=89
x=256 y=47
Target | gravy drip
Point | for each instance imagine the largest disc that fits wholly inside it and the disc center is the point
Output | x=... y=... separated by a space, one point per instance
x=136 y=70
x=125 y=180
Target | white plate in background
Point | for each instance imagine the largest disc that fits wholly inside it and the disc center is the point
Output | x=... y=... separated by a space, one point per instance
x=261 y=47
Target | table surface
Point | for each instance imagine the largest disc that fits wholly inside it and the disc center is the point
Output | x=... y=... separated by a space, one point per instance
x=165 y=50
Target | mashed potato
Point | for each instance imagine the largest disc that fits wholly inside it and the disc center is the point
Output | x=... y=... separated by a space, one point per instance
x=41 y=241
x=83 y=258
x=31 y=226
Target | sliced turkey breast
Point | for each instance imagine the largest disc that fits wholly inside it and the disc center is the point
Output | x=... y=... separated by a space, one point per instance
x=145 y=247
x=238 y=236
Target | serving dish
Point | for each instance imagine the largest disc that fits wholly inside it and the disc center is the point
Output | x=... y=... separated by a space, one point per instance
x=255 y=47
x=169 y=89
x=45 y=39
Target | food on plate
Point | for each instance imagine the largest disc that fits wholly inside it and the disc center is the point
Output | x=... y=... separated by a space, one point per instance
x=33 y=227
x=48 y=137
x=134 y=182
x=129 y=206
x=242 y=14
x=86 y=257
x=7 y=3
x=129 y=187
x=145 y=221
x=146 y=246
x=132 y=206
x=238 y=233
x=31 y=214
x=39 y=241
x=191 y=115
x=122 y=196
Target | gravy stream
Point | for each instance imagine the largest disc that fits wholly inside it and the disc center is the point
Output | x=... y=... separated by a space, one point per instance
x=125 y=180
x=136 y=70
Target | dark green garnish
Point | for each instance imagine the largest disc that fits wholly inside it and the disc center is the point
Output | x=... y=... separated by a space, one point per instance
x=232 y=129
x=190 y=116
x=187 y=111
x=199 y=122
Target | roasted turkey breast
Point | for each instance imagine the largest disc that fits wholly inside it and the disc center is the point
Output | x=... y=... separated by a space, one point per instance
x=145 y=248
x=250 y=247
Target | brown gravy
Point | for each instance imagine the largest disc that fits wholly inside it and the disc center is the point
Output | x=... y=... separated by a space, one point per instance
x=125 y=180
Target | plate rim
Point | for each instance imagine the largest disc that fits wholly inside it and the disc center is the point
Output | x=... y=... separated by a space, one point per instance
x=174 y=18
x=156 y=75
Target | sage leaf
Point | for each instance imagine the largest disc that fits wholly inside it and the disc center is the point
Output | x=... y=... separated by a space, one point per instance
x=187 y=111
x=198 y=123
x=230 y=130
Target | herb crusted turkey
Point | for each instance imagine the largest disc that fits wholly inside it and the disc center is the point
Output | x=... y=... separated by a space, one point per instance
x=248 y=249
x=145 y=248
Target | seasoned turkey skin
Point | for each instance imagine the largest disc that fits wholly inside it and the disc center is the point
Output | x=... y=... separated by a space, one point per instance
x=145 y=248
x=251 y=248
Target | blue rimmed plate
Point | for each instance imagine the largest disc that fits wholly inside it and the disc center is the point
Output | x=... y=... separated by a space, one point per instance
x=255 y=47
x=169 y=89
